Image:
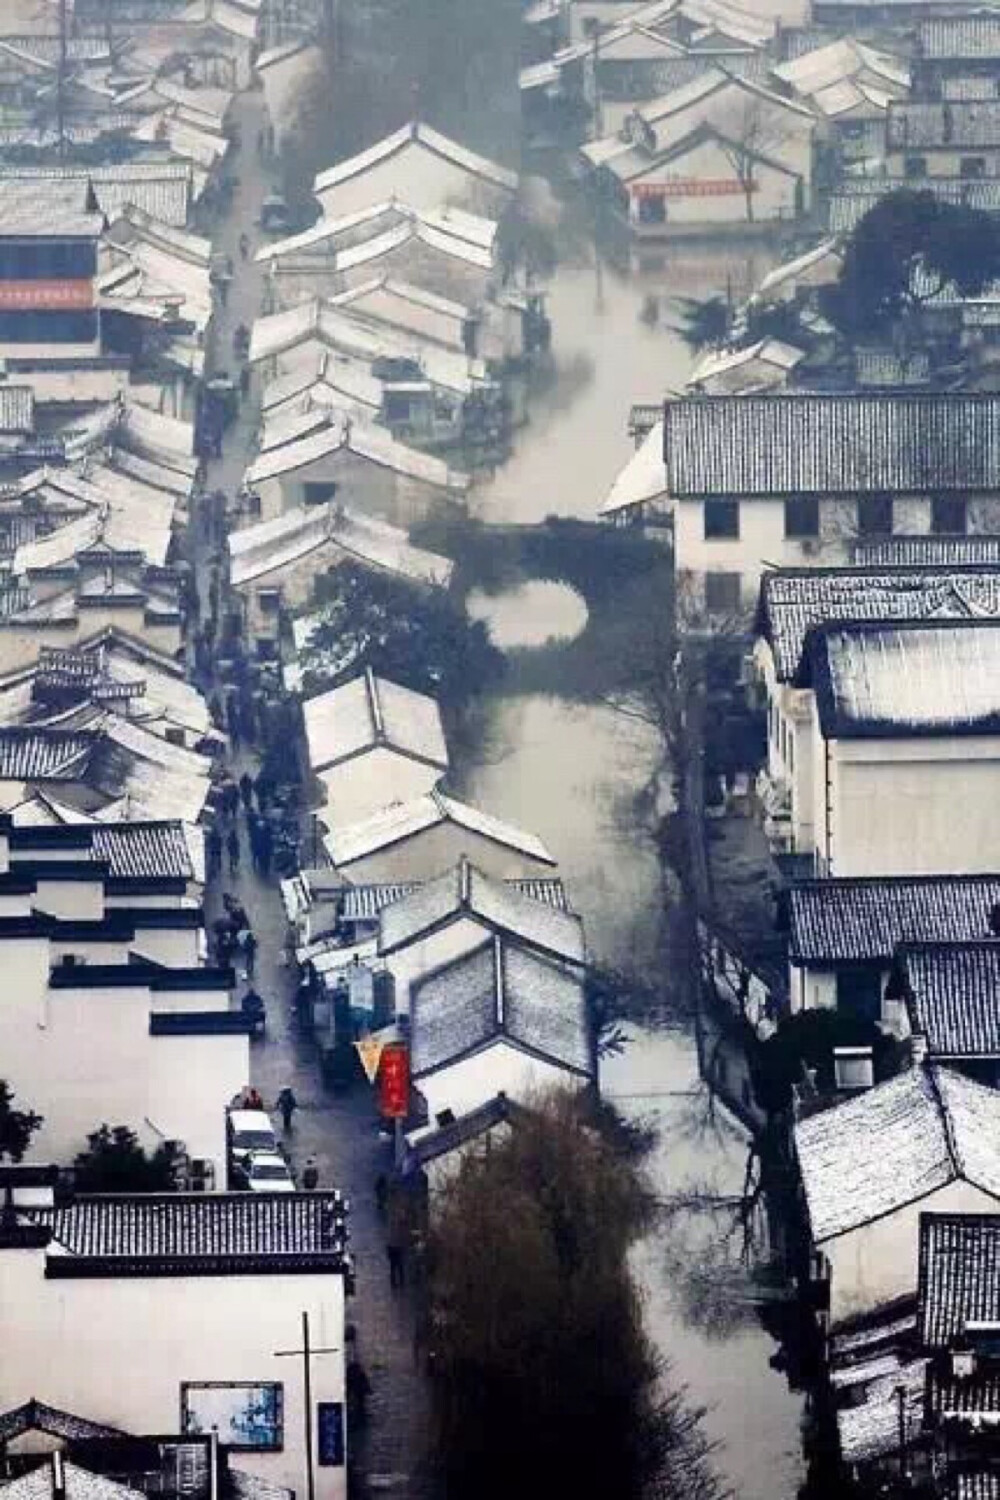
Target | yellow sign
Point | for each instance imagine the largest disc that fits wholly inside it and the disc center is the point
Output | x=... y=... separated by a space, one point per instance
x=370 y=1051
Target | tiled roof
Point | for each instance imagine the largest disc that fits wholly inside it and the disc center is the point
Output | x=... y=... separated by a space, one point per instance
x=865 y=920
x=959 y=1279
x=932 y=1126
x=467 y=892
x=925 y=551
x=953 y=1398
x=500 y=991
x=77 y=1484
x=44 y=754
x=850 y=201
x=141 y=849
x=407 y=819
x=161 y=189
x=792 y=601
x=223 y=1230
x=17 y=407
x=32 y=210
x=934 y=677
x=496 y=1111
x=781 y=444
x=917 y=124
x=36 y=1416
x=952 y=992
x=975 y=1484
x=948 y=38
x=372 y=713
x=433 y=141
x=870 y=1431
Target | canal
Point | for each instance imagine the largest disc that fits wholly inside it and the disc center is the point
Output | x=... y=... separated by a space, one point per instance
x=576 y=774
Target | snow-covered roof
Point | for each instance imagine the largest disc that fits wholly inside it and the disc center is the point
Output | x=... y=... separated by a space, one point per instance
x=643 y=478
x=931 y=677
x=305 y=437
x=932 y=1127
x=76 y=1484
x=735 y=371
x=812 y=268
x=864 y=919
x=255 y=551
x=466 y=891
x=404 y=821
x=843 y=60
x=500 y=991
x=794 y=601
x=372 y=713
x=431 y=140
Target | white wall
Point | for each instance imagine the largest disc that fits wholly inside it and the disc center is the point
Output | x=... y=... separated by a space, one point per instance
x=84 y=1057
x=359 y=788
x=774 y=198
x=409 y=964
x=417 y=177
x=911 y=807
x=873 y=1265
x=125 y=1346
x=177 y=947
x=499 y=1068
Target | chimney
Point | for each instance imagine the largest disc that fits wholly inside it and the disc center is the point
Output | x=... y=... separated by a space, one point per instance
x=58 y=1477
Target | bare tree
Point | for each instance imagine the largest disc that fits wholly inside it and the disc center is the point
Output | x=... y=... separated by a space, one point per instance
x=754 y=131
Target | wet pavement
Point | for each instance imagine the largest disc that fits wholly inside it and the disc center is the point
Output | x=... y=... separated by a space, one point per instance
x=339 y=1131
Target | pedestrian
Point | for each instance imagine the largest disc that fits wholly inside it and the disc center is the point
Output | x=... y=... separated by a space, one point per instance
x=310 y=1175
x=250 y=951
x=244 y=246
x=246 y=791
x=381 y=1192
x=233 y=850
x=253 y=1099
x=260 y=144
x=286 y=1105
x=245 y=381
x=397 y=1272
x=233 y=722
x=265 y=845
x=265 y=788
x=213 y=848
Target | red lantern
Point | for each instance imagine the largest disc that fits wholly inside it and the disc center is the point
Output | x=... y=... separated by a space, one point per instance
x=394 y=1081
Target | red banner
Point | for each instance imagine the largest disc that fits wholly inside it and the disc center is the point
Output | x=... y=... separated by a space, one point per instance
x=691 y=187
x=394 y=1081
x=52 y=295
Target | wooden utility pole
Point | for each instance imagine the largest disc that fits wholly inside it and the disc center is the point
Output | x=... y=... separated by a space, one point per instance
x=306 y=1354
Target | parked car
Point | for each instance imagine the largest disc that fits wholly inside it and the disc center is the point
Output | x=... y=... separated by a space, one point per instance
x=249 y=1132
x=267 y=1172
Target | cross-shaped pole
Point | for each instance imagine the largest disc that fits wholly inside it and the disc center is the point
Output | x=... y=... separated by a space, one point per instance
x=306 y=1355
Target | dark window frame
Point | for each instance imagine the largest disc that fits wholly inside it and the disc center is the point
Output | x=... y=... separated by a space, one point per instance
x=944 y=509
x=730 y=604
x=802 y=518
x=872 y=512
x=721 y=520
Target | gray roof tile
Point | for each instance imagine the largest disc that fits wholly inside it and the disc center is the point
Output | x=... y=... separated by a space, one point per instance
x=959 y=1275
x=952 y=993
x=865 y=920
x=948 y=125
x=787 y=444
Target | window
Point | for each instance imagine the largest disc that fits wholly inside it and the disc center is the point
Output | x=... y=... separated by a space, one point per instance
x=723 y=593
x=853 y=1068
x=875 y=515
x=396 y=407
x=972 y=166
x=267 y=649
x=802 y=516
x=914 y=166
x=38 y=326
x=722 y=519
x=315 y=493
x=246 y=1414
x=949 y=515
x=269 y=601
x=652 y=210
x=859 y=993
x=173 y=735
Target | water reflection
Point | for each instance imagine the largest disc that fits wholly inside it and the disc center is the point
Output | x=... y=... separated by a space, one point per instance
x=531 y=615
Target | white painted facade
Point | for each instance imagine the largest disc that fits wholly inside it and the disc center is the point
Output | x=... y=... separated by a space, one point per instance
x=702 y=189
x=118 y=1348
x=895 y=806
x=876 y=1263
x=418 y=176
x=84 y=1057
x=498 y=1068
x=761 y=539
x=358 y=788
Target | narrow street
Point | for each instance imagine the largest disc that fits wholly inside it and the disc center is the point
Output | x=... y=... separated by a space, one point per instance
x=339 y=1131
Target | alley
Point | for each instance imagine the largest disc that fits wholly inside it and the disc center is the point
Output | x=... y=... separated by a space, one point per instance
x=340 y=1132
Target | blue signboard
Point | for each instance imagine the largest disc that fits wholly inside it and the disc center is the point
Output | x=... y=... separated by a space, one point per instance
x=330 y=1431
